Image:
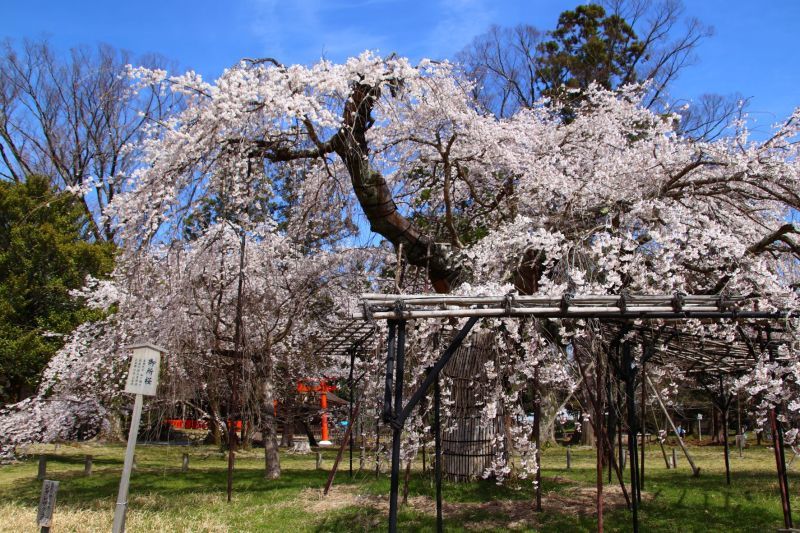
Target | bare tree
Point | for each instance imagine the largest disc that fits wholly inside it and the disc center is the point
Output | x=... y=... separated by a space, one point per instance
x=503 y=63
x=72 y=119
x=507 y=63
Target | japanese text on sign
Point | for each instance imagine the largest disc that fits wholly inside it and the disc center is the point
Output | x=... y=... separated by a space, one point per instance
x=143 y=374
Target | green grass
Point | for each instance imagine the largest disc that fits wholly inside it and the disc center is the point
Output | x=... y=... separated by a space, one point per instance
x=165 y=499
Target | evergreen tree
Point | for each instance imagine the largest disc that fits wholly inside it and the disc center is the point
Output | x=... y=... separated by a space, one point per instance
x=42 y=257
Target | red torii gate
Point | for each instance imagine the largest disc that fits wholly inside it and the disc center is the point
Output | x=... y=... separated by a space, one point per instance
x=322 y=387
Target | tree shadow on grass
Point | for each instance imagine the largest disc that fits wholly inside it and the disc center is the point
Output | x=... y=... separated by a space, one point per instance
x=78 y=490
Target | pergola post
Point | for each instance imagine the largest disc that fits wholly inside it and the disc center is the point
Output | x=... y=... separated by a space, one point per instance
x=351 y=384
x=725 y=403
x=397 y=428
x=629 y=374
x=644 y=428
x=602 y=434
x=624 y=308
x=437 y=460
x=777 y=444
x=780 y=462
x=397 y=416
x=537 y=413
x=601 y=449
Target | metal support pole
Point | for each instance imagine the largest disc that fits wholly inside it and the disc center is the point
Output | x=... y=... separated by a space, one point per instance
x=695 y=469
x=727 y=448
x=351 y=384
x=610 y=423
x=397 y=427
x=605 y=437
x=122 y=496
x=437 y=461
x=537 y=416
x=402 y=413
x=620 y=449
x=644 y=429
x=635 y=494
x=780 y=462
x=777 y=444
x=724 y=407
x=348 y=436
x=664 y=453
x=387 y=393
x=435 y=370
x=600 y=430
x=377 y=446
x=630 y=373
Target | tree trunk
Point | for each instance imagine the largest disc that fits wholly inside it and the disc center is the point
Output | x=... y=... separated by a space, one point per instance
x=587 y=431
x=312 y=440
x=715 y=431
x=246 y=441
x=214 y=425
x=269 y=426
x=467 y=447
x=114 y=431
x=375 y=196
x=287 y=433
x=550 y=405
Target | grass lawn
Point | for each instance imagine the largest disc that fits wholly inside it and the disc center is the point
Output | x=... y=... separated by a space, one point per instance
x=162 y=498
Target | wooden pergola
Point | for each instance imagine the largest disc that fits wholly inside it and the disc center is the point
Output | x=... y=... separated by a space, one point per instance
x=619 y=311
x=347 y=338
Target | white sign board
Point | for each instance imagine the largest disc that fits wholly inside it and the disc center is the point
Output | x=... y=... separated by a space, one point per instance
x=143 y=374
x=47 y=502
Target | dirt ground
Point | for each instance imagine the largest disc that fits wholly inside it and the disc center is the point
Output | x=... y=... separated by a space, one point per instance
x=510 y=514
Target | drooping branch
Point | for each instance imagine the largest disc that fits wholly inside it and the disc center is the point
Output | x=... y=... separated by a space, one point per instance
x=765 y=244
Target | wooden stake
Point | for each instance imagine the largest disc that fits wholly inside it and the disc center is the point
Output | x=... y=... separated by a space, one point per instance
x=405 y=483
x=42 y=468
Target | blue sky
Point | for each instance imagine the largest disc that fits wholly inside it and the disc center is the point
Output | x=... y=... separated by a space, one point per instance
x=753 y=51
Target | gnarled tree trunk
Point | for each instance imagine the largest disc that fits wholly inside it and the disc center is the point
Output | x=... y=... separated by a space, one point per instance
x=269 y=424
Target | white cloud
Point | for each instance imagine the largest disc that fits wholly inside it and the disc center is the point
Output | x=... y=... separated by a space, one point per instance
x=458 y=21
x=303 y=31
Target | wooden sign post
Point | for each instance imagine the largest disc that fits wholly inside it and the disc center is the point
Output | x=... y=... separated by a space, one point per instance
x=142 y=381
x=47 y=502
x=699 y=428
